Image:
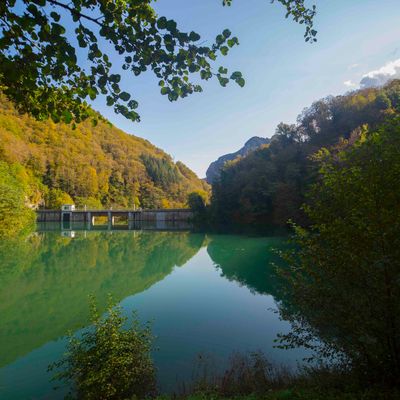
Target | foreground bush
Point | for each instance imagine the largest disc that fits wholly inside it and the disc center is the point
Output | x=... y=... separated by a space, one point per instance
x=246 y=374
x=109 y=361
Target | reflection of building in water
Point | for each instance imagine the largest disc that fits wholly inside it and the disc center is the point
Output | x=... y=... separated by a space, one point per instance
x=66 y=226
x=80 y=228
x=69 y=234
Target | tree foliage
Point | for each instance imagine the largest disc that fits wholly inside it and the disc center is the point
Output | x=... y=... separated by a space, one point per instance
x=15 y=216
x=344 y=279
x=55 y=198
x=162 y=172
x=269 y=185
x=44 y=73
x=109 y=361
x=197 y=202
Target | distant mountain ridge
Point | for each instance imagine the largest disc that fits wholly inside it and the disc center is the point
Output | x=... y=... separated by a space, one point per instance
x=215 y=167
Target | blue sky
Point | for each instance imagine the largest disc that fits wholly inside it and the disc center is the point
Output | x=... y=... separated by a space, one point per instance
x=283 y=73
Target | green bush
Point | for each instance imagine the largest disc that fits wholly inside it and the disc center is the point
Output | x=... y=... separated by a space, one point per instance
x=109 y=361
x=55 y=198
x=344 y=281
x=15 y=216
x=197 y=201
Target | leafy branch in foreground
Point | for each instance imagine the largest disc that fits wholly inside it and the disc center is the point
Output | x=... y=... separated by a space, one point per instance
x=54 y=54
x=109 y=360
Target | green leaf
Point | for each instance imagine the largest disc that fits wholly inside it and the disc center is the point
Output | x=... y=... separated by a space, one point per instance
x=233 y=41
x=224 y=50
x=133 y=104
x=55 y=16
x=227 y=33
x=241 y=82
x=220 y=39
x=223 y=81
x=32 y=9
x=171 y=25
x=194 y=37
x=236 y=75
x=125 y=96
x=92 y=93
x=193 y=68
x=162 y=23
x=165 y=90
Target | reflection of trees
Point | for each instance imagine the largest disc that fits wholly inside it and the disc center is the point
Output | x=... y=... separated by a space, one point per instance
x=248 y=260
x=45 y=281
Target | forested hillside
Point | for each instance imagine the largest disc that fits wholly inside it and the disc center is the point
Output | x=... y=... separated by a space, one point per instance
x=269 y=185
x=93 y=165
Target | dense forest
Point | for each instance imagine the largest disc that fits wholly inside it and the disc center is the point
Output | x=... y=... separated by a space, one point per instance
x=270 y=184
x=89 y=165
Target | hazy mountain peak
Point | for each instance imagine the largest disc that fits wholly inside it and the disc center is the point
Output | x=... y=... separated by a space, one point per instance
x=252 y=144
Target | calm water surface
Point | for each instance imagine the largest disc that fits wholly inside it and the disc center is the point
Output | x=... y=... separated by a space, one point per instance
x=209 y=294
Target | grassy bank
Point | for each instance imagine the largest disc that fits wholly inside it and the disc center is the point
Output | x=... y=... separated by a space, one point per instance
x=251 y=376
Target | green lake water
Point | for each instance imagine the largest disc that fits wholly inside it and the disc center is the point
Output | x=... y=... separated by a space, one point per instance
x=205 y=293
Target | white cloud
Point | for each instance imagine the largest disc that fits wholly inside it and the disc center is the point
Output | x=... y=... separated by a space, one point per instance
x=379 y=77
x=350 y=84
x=352 y=66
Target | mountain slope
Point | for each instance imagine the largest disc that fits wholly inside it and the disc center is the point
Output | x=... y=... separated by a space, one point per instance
x=214 y=170
x=98 y=166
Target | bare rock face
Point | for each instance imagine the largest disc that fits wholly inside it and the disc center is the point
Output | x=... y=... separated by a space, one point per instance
x=215 y=167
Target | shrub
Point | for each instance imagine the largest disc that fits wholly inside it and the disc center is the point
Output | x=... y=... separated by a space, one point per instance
x=55 y=198
x=246 y=374
x=15 y=216
x=344 y=280
x=109 y=361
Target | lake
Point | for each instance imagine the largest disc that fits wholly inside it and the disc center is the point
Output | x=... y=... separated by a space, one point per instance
x=205 y=294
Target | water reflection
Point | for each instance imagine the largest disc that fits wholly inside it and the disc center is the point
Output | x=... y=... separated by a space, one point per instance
x=45 y=280
x=248 y=260
x=160 y=225
x=218 y=303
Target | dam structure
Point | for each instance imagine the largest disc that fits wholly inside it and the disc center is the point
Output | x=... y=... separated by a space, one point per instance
x=115 y=218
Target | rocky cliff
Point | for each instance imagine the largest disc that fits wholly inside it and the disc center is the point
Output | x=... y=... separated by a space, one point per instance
x=252 y=144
